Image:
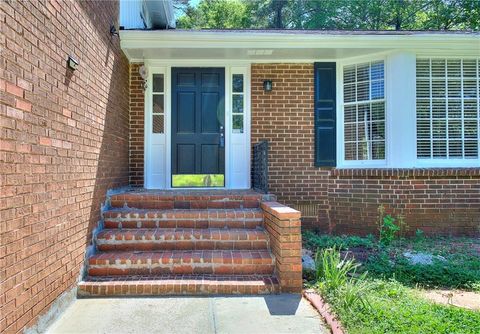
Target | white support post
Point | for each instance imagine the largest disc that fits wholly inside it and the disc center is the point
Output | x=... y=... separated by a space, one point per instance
x=401 y=114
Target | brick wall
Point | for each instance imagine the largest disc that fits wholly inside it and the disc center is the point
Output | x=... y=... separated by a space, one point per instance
x=137 y=123
x=64 y=142
x=437 y=201
x=284 y=229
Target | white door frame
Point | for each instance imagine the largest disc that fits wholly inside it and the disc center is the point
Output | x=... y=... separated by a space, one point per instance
x=157 y=173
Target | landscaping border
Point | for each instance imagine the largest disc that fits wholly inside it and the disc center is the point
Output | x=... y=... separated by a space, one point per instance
x=324 y=309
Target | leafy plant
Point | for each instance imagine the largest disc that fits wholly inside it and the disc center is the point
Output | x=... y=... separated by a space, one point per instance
x=337 y=279
x=331 y=270
x=389 y=227
x=419 y=235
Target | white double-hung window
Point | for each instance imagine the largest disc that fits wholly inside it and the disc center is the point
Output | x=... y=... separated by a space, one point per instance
x=364 y=112
x=447 y=109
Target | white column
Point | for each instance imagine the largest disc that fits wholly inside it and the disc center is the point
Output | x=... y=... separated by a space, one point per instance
x=401 y=116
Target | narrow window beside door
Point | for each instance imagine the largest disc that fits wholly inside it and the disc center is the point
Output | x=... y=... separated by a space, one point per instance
x=238 y=103
x=158 y=111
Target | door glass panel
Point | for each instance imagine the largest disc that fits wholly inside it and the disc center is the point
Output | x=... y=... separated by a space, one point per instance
x=158 y=103
x=237 y=123
x=158 y=122
x=198 y=180
x=158 y=83
x=237 y=83
x=237 y=104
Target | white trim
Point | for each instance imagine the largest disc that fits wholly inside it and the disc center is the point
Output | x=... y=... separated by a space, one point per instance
x=139 y=39
x=446 y=161
x=166 y=68
x=341 y=162
x=149 y=138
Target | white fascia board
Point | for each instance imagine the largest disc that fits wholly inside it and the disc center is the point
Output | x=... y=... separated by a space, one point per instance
x=195 y=39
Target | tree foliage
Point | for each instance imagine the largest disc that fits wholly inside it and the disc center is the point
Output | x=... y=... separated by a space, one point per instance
x=332 y=14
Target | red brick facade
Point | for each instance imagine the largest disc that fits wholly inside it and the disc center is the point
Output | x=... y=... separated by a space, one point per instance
x=445 y=201
x=137 y=126
x=64 y=142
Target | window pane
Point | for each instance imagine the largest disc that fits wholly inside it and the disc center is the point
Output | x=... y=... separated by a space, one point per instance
x=363 y=72
x=350 y=151
x=157 y=124
x=158 y=83
x=376 y=71
x=438 y=68
x=350 y=114
x=454 y=108
x=454 y=88
x=378 y=150
x=454 y=68
x=451 y=128
x=470 y=89
x=349 y=74
x=364 y=117
x=378 y=111
x=158 y=104
x=470 y=109
x=377 y=90
x=363 y=90
x=423 y=68
x=423 y=108
x=237 y=101
x=438 y=108
x=237 y=123
x=469 y=68
x=237 y=83
x=349 y=93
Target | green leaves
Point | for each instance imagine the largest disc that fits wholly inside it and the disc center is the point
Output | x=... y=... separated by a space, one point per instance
x=333 y=14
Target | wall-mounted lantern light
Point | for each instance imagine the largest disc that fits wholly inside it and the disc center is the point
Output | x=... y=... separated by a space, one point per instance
x=113 y=30
x=72 y=63
x=267 y=85
x=142 y=70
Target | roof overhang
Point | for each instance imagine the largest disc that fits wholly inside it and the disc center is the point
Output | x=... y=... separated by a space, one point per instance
x=287 y=45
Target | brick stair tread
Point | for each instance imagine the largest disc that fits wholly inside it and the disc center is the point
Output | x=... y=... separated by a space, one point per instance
x=232 y=257
x=179 y=218
x=181 y=234
x=150 y=285
x=183 y=213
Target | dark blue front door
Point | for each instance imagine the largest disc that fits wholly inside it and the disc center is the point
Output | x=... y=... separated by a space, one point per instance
x=198 y=123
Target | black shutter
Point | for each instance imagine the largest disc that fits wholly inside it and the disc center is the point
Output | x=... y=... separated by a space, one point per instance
x=325 y=115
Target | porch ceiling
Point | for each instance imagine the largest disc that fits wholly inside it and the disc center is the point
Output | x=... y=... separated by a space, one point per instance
x=262 y=46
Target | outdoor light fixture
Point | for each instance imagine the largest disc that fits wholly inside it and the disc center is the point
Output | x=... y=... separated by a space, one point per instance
x=142 y=70
x=267 y=85
x=72 y=63
x=113 y=30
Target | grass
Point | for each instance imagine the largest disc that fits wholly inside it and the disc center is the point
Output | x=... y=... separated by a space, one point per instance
x=198 y=180
x=381 y=294
x=394 y=308
x=460 y=268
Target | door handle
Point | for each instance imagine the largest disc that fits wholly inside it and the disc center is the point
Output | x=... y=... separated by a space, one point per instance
x=222 y=136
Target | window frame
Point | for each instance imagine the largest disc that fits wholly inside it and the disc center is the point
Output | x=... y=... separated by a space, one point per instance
x=341 y=161
x=448 y=162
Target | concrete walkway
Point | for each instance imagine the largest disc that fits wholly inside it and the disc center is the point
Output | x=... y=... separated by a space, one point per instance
x=258 y=314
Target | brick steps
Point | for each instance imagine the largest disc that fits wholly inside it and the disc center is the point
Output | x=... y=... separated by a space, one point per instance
x=182 y=242
x=94 y=286
x=221 y=199
x=181 y=239
x=176 y=218
x=227 y=262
